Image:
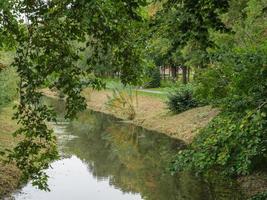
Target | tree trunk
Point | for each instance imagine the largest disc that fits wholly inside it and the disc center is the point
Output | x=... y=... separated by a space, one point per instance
x=164 y=72
x=169 y=75
x=174 y=72
x=184 y=68
x=178 y=72
x=188 y=75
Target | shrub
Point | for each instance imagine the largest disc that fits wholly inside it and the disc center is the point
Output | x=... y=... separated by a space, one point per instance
x=182 y=99
x=234 y=144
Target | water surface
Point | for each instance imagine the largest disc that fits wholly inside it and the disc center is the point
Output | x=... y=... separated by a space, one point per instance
x=103 y=158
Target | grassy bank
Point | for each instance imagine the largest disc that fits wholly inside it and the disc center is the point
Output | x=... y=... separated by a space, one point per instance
x=152 y=114
x=10 y=175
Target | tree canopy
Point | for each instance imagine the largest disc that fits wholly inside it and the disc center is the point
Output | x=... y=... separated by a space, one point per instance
x=43 y=34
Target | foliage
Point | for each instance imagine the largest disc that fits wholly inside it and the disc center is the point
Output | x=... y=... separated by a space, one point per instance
x=260 y=196
x=235 y=81
x=211 y=85
x=124 y=101
x=44 y=35
x=8 y=85
x=182 y=99
x=67 y=44
x=185 y=26
x=232 y=144
x=154 y=76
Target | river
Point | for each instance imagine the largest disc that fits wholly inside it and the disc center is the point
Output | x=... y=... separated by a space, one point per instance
x=103 y=158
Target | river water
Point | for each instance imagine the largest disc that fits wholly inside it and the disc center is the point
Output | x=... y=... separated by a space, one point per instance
x=103 y=158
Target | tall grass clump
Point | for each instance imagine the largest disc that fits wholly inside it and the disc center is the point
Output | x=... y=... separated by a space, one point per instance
x=123 y=101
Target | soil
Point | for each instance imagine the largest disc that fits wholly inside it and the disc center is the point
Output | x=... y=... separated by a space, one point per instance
x=152 y=113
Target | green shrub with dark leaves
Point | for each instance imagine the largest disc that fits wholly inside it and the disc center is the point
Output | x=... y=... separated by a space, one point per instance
x=182 y=99
x=234 y=144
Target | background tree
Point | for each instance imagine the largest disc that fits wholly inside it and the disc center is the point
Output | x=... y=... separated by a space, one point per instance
x=186 y=25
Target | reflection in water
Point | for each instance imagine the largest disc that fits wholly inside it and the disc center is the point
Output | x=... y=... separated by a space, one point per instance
x=71 y=180
x=105 y=159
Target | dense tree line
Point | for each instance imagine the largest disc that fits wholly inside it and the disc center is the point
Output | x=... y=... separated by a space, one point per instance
x=233 y=78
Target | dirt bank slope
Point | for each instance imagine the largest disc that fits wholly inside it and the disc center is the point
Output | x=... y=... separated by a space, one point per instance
x=152 y=113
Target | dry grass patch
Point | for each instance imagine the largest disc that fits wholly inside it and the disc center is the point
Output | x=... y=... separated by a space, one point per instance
x=7 y=127
x=9 y=179
x=96 y=100
x=9 y=173
x=153 y=114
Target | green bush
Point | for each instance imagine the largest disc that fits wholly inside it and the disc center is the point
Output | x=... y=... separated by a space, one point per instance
x=8 y=85
x=182 y=99
x=234 y=144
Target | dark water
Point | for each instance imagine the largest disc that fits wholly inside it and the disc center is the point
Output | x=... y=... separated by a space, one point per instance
x=105 y=159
